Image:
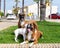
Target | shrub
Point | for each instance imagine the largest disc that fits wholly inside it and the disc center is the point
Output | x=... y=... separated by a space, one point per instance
x=1 y=14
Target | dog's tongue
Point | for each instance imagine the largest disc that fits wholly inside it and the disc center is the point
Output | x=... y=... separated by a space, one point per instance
x=28 y=30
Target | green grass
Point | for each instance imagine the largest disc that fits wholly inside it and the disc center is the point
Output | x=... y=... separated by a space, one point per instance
x=51 y=33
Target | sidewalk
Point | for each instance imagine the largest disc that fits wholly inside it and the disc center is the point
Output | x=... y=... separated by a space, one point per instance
x=53 y=20
x=7 y=23
x=27 y=46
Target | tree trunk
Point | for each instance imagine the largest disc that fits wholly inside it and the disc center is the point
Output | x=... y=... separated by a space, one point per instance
x=0 y=5
x=42 y=10
x=16 y=7
x=4 y=6
x=38 y=8
x=23 y=6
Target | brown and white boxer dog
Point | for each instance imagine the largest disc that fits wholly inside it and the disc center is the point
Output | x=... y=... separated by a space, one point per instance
x=21 y=20
x=33 y=35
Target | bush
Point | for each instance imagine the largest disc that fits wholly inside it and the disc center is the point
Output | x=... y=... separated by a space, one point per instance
x=1 y=14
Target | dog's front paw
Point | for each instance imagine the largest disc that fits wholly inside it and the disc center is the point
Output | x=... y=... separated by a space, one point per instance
x=25 y=42
x=31 y=45
x=16 y=41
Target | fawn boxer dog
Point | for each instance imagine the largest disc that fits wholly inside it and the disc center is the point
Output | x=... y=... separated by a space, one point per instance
x=35 y=34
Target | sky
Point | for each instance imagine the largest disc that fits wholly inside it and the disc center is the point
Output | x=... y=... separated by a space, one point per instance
x=56 y=3
x=11 y=3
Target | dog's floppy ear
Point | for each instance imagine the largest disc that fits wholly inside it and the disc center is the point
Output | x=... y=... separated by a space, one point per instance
x=35 y=25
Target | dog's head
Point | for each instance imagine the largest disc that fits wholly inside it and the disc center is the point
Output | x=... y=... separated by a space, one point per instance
x=21 y=17
x=31 y=27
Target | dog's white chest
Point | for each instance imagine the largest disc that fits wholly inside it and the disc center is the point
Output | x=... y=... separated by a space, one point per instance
x=22 y=23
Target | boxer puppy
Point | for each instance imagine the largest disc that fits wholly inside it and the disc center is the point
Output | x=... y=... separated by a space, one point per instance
x=21 y=20
x=21 y=31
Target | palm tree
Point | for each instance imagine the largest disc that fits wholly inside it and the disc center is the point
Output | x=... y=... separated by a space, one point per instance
x=42 y=10
x=23 y=6
x=0 y=5
x=16 y=6
x=4 y=6
x=17 y=1
x=15 y=10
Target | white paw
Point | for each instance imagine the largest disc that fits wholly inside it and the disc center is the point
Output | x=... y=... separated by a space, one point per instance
x=23 y=42
x=16 y=41
x=31 y=44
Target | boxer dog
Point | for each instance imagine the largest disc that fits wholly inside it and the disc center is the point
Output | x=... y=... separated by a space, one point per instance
x=21 y=31
x=21 y=20
x=24 y=31
x=34 y=34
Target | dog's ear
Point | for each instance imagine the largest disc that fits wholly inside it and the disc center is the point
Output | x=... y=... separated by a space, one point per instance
x=35 y=25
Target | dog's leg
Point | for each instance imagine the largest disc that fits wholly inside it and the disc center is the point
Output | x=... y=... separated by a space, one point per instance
x=16 y=35
x=24 y=37
x=31 y=44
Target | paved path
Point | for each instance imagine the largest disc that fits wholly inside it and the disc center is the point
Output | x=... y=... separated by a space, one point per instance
x=27 y=46
x=7 y=23
x=53 y=20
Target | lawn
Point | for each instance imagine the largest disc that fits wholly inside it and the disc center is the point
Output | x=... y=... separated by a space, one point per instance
x=51 y=33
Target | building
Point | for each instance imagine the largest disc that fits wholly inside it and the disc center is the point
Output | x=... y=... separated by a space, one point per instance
x=33 y=9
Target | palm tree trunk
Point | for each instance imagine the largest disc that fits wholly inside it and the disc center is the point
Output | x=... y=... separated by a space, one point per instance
x=23 y=6
x=38 y=7
x=0 y=5
x=4 y=7
x=16 y=6
x=42 y=10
